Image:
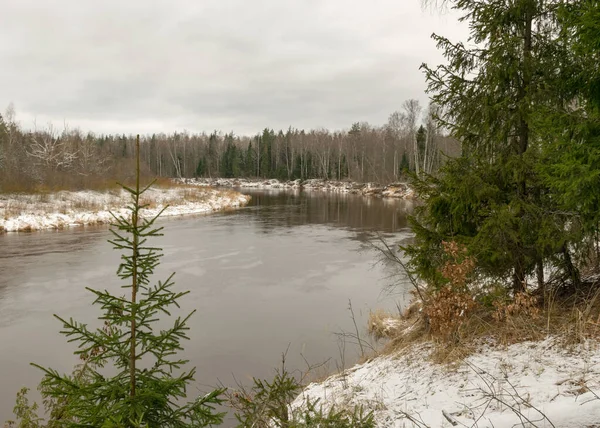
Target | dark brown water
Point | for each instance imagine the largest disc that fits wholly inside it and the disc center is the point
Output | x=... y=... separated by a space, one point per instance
x=276 y=274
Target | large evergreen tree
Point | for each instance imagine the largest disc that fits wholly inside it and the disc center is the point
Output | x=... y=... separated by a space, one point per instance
x=404 y=165
x=571 y=163
x=250 y=161
x=231 y=161
x=491 y=198
x=201 y=167
x=212 y=161
x=266 y=144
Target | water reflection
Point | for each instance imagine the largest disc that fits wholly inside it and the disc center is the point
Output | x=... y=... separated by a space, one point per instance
x=285 y=208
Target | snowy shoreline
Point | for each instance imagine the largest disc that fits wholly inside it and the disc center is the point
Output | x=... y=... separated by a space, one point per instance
x=29 y=212
x=496 y=386
x=393 y=190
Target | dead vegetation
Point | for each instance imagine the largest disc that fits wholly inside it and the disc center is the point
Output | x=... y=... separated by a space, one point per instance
x=64 y=202
x=464 y=314
x=26 y=212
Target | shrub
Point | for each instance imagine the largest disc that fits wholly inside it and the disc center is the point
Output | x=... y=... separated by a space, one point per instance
x=268 y=405
x=448 y=307
x=523 y=304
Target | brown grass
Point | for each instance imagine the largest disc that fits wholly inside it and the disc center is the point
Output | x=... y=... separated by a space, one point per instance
x=90 y=183
x=44 y=201
x=460 y=316
x=184 y=194
x=572 y=319
x=52 y=181
x=15 y=205
x=168 y=183
x=384 y=325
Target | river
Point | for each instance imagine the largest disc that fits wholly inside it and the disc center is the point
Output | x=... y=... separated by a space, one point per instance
x=274 y=275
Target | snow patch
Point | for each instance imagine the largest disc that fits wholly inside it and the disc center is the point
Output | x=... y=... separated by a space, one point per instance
x=22 y=212
x=493 y=388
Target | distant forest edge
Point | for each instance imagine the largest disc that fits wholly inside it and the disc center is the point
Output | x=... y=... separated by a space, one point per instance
x=71 y=159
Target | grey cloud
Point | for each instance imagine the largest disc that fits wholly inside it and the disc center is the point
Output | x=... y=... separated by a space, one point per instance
x=214 y=64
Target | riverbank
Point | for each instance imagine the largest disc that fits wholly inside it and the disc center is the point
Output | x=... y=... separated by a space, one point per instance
x=532 y=384
x=517 y=363
x=394 y=190
x=28 y=212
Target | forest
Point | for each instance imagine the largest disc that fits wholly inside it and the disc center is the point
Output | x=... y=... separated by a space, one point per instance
x=71 y=159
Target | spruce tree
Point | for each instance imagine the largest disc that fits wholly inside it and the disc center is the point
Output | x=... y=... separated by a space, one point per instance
x=571 y=163
x=250 y=161
x=267 y=140
x=237 y=162
x=421 y=138
x=135 y=377
x=492 y=199
x=212 y=161
x=404 y=166
x=201 y=168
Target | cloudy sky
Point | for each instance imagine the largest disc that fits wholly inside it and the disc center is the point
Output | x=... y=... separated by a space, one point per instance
x=232 y=65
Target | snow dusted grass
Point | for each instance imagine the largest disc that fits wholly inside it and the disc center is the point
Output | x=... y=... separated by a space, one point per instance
x=529 y=384
x=383 y=325
x=527 y=368
x=27 y=212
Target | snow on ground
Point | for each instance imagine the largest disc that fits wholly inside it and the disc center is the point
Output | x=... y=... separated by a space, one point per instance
x=395 y=190
x=19 y=212
x=496 y=387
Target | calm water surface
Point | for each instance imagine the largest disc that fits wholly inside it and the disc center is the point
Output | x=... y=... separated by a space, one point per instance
x=276 y=274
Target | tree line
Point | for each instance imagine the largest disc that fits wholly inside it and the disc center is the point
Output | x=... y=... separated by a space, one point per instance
x=409 y=141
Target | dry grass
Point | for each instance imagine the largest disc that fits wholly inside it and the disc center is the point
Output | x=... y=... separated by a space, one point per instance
x=464 y=313
x=90 y=183
x=179 y=196
x=168 y=183
x=52 y=181
x=384 y=325
x=43 y=201
x=62 y=202
x=573 y=318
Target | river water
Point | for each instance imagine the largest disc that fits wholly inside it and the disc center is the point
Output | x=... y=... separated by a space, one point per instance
x=275 y=275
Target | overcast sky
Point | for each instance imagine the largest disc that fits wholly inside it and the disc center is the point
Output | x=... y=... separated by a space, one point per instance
x=232 y=65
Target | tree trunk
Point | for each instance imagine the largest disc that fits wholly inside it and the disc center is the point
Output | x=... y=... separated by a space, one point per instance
x=570 y=268
x=134 y=280
x=518 y=278
x=519 y=275
x=416 y=150
x=540 y=275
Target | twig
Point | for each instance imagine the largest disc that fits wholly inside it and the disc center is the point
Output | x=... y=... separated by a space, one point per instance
x=496 y=396
x=362 y=350
x=390 y=254
x=344 y=335
x=449 y=418
x=419 y=424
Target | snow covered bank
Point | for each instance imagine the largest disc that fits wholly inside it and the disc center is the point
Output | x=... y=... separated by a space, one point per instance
x=59 y=210
x=395 y=190
x=529 y=384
